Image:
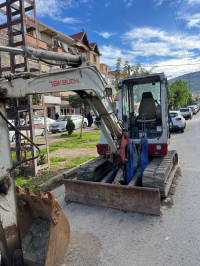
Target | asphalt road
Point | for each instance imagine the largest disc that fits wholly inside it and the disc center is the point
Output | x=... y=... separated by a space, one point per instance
x=104 y=236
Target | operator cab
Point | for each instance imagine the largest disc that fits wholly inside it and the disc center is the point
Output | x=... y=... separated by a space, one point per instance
x=141 y=106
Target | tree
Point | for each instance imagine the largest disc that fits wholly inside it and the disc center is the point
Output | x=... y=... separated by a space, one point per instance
x=75 y=101
x=36 y=98
x=125 y=72
x=118 y=72
x=179 y=94
x=139 y=70
x=70 y=126
x=191 y=101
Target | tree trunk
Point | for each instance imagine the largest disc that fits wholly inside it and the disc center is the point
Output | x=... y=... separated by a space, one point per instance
x=81 y=130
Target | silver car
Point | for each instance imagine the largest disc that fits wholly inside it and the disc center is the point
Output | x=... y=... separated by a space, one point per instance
x=60 y=124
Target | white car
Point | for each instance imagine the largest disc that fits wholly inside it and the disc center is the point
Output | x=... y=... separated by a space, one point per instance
x=194 y=109
x=186 y=112
x=177 y=121
x=60 y=124
x=38 y=131
x=49 y=121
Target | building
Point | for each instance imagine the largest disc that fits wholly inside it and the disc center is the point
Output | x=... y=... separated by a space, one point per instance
x=107 y=74
x=47 y=38
x=90 y=49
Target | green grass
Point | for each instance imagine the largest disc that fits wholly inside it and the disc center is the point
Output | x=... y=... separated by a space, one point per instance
x=54 y=162
x=30 y=182
x=23 y=181
x=79 y=160
x=57 y=159
x=13 y=156
x=73 y=141
x=89 y=140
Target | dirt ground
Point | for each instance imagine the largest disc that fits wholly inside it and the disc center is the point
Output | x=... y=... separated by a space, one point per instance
x=64 y=152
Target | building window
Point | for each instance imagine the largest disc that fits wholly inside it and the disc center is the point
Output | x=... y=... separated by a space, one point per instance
x=94 y=58
x=30 y=33
x=63 y=111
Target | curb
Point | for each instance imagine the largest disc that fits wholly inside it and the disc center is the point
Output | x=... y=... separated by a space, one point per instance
x=56 y=181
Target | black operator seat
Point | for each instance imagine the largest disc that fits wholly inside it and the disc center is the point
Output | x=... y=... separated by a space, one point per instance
x=147 y=109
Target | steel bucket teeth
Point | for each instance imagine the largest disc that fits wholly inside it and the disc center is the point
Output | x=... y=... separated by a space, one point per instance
x=44 y=228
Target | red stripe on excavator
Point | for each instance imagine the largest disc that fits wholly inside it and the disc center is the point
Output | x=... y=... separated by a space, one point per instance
x=156 y=149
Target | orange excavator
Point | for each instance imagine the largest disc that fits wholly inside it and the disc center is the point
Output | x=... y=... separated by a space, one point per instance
x=133 y=170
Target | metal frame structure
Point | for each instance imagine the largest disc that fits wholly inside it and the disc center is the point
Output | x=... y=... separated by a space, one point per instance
x=18 y=24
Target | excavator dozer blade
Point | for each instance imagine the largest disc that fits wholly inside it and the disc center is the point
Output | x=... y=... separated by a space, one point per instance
x=44 y=228
x=130 y=198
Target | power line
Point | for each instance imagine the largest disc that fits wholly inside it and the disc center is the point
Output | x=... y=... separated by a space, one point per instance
x=174 y=13
x=173 y=65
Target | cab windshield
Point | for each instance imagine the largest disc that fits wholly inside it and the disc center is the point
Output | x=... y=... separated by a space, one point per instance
x=141 y=107
x=132 y=96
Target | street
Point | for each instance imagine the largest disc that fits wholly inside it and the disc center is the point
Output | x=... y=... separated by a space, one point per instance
x=104 y=236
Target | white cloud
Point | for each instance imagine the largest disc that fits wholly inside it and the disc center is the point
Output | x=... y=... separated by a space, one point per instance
x=48 y=7
x=111 y=51
x=158 y=2
x=55 y=7
x=193 y=20
x=157 y=47
x=193 y=2
x=69 y=20
x=177 y=67
x=153 y=41
x=106 y=35
x=107 y=4
x=128 y=3
x=171 y=67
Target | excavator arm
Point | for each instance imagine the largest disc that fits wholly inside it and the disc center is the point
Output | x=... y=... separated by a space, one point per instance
x=83 y=79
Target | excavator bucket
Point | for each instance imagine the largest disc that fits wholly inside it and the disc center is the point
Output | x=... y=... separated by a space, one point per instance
x=130 y=198
x=44 y=228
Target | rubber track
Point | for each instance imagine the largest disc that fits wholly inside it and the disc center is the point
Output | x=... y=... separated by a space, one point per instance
x=160 y=172
x=86 y=171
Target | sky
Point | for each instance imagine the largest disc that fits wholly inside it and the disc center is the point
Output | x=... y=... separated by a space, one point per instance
x=161 y=35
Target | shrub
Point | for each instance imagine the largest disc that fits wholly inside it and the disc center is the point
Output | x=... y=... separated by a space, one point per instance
x=70 y=126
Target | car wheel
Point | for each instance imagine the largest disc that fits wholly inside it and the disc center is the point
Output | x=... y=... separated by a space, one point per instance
x=84 y=125
x=182 y=130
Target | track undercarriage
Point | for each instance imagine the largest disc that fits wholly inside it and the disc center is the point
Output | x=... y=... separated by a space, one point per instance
x=102 y=183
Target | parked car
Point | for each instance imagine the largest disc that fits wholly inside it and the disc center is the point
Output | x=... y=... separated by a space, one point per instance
x=38 y=131
x=194 y=109
x=49 y=121
x=60 y=124
x=186 y=112
x=177 y=121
